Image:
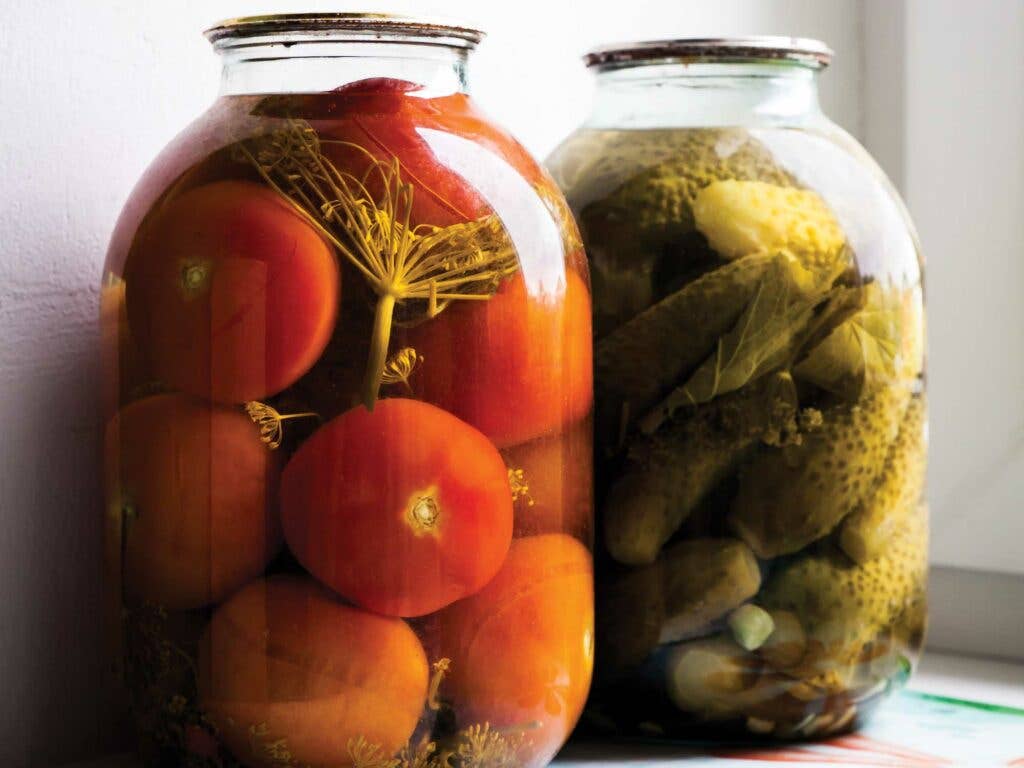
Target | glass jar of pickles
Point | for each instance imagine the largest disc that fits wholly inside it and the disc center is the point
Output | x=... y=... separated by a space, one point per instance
x=347 y=337
x=760 y=410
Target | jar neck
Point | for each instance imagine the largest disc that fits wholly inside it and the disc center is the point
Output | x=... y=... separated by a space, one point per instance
x=314 y=67
x=671 y=94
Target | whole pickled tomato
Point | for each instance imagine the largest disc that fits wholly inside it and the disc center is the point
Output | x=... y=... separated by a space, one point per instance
x=196 y=489
x=285 y=666
x=402 y=510
x=231 y=295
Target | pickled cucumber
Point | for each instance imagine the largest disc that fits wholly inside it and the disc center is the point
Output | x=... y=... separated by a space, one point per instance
x=865 y=533
x=751 y=626
x=681 y=595
x=703 y=580
x=709 y=676
x=641 y=239
x=640 y=360
x=647 y=505
x=791 y=497
x=595 y=164
x=715 y=679
x=767 y=336
x=786 y=644
x=743 y=217
x=843 y=606
x=655 y=204
x=909 y=628
x=671 y=471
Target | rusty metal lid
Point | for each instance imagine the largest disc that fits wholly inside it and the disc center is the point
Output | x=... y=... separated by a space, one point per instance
x=344 y=26
x=801 y=50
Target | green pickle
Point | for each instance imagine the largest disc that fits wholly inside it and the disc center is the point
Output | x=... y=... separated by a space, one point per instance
x=791 y=498
x=682 y=595
x=842 y=606
x=760 y=436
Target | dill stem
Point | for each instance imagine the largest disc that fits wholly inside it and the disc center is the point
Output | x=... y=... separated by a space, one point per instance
x=308 y=414
x=379 y=342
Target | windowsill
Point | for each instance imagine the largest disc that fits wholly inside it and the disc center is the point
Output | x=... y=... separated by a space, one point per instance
x=974 y=679
x=943 y=674
x=940 y=674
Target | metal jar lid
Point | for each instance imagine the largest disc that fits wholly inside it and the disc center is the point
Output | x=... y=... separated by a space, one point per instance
x=347 y=26
x=802 y=50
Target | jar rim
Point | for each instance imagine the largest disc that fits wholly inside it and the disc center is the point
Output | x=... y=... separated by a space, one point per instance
x=805 y=51
x=351 y=26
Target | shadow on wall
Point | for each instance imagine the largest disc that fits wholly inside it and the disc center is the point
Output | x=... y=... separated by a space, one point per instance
x=52 y=660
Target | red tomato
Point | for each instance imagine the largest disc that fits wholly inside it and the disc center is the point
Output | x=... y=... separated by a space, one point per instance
x=196 y=488
x=402 y=511
x=459 y=114
x=284 y=662
x=231 y=294
x=515 y=366
x=522 y=648
x=386 y=116
x=376 y=120
x=554 y=483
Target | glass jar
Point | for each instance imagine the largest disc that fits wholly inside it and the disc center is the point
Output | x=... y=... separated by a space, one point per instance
x=346 y=324
x=759 y=407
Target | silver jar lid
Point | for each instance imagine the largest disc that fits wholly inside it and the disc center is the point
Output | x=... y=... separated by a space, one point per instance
x=347 y=26
x=802 y=50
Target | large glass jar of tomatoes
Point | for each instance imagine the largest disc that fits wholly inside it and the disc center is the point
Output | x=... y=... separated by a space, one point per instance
x=346 y=324
x=760 y=409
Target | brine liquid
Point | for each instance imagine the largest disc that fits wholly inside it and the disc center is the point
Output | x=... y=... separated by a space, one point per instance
x=348 y=452
x=760 y=430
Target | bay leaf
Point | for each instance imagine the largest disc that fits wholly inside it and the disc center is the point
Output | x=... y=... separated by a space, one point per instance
x=763 y=339
x=863 y=349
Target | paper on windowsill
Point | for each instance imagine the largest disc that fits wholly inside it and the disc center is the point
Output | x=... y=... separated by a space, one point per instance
x=915 y=730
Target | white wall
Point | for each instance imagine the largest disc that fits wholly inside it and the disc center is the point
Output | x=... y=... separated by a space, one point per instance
x=90 y=92
x=964 y=181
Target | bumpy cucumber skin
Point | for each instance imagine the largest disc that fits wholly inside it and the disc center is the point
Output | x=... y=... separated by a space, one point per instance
x=641 y=238
x=864 y=534
x=792 y=497
x=648 y=355
x=842 y=606
x=742 y=217
x=670 y=472
x=649 y=503
x=655 y=205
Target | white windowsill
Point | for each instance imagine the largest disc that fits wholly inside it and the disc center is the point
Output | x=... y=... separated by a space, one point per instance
x=943 y=674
